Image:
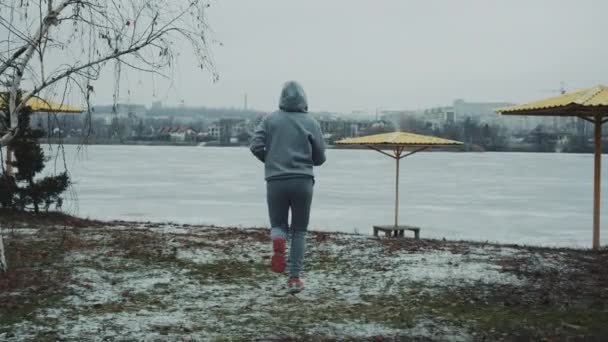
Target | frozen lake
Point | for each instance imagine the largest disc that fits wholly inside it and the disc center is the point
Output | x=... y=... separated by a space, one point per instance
x=506 y=197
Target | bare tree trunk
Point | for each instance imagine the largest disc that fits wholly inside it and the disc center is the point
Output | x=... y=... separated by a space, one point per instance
x=3 y=265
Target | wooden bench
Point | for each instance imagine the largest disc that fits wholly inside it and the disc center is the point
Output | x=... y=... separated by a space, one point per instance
x=398 y=231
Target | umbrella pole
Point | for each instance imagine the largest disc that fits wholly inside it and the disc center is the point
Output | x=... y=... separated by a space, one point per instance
x=397 y=158
x=596 y=182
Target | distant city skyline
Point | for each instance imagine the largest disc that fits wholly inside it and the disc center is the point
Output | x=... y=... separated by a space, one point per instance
x=160 y=105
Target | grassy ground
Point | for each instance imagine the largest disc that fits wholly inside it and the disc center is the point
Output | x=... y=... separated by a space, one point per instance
x=73 y=279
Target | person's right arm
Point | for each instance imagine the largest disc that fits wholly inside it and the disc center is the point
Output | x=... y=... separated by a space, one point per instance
x=258 y=142
x=318 y=145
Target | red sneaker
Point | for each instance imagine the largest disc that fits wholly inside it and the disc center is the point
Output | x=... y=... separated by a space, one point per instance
x=278 y=258
x=295 y=285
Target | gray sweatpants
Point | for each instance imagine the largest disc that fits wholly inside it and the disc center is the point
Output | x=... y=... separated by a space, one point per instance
x=293 y=194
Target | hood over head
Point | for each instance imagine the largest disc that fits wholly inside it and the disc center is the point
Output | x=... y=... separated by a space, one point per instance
x=293 y=98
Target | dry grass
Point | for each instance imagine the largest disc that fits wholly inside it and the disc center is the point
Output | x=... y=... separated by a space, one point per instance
x=70 y=280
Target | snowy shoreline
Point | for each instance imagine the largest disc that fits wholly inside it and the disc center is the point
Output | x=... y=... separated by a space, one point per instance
x=169 y=282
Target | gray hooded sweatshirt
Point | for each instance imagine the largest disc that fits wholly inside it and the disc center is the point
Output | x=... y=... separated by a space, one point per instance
x=289 y=142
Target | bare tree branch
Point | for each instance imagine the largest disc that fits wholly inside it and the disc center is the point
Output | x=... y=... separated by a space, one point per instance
x=9 y=62
x=137 y=34
x=77 y=69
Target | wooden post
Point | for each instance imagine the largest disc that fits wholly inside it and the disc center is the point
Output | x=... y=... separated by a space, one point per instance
x=596 y=182
x=397 y=158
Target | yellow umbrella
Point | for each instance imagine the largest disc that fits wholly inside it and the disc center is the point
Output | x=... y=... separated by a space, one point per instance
x=588 y=104
x=398 y=142
x=38 y=104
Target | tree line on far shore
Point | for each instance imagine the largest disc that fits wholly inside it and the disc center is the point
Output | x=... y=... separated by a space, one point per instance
x=478 y=136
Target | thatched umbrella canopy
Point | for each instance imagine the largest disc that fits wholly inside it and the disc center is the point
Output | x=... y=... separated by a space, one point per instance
x=401 y=144
x=588 y=104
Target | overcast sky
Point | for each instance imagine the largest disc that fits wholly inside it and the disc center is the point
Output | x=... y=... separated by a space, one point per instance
x=389 y=54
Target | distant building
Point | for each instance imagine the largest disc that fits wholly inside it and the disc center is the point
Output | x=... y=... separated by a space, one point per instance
x=214 y=131
x=121 y=111
x=127 y=110
x=243 y=126
x=178 y=133
x=342 y=128
x=439 y=116
x=397 y=116
x=227 y=130
x=478 y=110
x=485 y=112
x=361 y=115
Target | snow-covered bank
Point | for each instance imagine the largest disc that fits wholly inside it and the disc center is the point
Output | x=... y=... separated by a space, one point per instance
x=146 y=281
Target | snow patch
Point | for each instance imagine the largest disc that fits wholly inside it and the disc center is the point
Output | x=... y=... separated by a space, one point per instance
x=443 y=268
